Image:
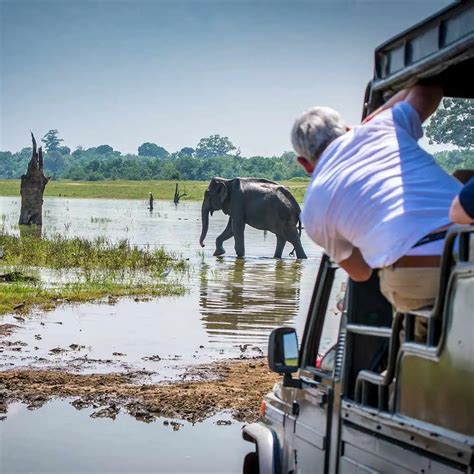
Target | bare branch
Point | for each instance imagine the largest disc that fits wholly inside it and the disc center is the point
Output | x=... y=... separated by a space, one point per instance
x=34 y=143
x=40 y=158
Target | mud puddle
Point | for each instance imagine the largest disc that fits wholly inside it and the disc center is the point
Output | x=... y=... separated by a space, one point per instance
x=163 y=336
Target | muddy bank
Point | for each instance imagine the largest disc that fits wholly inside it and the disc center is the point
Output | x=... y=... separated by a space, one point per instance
x=236 y=386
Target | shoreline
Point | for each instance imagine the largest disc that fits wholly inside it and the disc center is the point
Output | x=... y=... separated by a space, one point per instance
x=135 y=190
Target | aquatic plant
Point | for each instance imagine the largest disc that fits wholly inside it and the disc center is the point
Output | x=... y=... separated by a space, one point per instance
x=95 y=269
x=21 y=296
x=100 y=220
x=61 y=252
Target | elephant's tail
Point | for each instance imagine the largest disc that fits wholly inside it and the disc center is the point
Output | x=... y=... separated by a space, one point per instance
x=299 y=226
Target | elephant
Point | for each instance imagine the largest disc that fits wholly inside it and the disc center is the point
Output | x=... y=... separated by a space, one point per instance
x=260 y=203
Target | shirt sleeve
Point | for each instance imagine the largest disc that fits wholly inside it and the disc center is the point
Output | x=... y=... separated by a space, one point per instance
x=339 y=249
x=321 y=230
x=466 y=198
x=406 y=117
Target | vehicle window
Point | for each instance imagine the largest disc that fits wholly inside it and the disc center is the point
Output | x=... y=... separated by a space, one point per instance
x=332 y=318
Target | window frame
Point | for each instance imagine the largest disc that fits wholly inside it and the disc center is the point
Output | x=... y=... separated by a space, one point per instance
x=316 y=318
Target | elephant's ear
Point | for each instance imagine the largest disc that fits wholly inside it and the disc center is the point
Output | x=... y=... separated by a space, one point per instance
x=223 y=191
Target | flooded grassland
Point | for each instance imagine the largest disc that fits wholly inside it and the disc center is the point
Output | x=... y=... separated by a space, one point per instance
x=188 y=358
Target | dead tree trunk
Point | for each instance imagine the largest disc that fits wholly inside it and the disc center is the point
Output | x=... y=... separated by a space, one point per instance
x=32 y=188
x=177 y=195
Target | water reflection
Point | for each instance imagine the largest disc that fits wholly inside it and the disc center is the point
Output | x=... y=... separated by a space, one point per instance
x=59 y=439
x=247 y=298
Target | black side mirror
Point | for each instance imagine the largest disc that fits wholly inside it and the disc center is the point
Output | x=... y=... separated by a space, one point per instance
x=283 y=356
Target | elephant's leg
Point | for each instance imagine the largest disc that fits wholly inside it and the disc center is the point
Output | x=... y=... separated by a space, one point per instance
x=281 y=241
x=294 y=239
x=226 y=234
x=238 y=228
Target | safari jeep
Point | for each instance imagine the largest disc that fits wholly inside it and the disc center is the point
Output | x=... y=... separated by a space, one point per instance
x=360 y=394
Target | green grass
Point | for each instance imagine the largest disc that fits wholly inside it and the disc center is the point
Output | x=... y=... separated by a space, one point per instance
x=23 y=297
x=101 y=268
x=131 y=189
x=60 y=252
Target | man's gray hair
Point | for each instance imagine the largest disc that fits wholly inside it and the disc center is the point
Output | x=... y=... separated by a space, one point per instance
x=314 y=130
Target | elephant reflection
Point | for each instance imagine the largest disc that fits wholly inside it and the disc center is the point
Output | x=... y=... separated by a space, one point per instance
x=242 y=298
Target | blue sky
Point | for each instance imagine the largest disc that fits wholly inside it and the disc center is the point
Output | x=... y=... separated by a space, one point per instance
x=170 y=72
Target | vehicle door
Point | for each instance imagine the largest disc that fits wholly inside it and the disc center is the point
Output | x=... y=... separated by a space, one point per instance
x=311 y=408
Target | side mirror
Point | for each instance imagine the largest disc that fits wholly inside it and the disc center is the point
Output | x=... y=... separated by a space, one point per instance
x=283 y=356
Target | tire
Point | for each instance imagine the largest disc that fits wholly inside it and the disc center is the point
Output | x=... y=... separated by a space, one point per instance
x=250 y=464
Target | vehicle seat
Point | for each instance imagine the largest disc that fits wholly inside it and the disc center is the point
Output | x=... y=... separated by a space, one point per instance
x=371 y=385
x=434 y=315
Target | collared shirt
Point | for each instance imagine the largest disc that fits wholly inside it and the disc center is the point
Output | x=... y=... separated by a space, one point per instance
x=376 y=189
x=466 y=198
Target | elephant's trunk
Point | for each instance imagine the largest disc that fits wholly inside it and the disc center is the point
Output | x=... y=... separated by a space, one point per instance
x=205 y=210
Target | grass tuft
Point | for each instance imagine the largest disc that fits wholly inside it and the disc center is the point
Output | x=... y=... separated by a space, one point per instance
x=101 y=268
x=23 y=297
x=60 y=252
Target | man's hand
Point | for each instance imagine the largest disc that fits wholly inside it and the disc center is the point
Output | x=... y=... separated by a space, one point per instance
x=356 y=266
x=423 y=98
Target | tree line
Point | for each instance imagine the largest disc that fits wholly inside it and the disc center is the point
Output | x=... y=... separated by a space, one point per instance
x=105 y=163
x=213 y=156
x=218 y=156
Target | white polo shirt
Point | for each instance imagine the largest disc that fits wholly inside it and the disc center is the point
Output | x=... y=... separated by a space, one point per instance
x=376 y=189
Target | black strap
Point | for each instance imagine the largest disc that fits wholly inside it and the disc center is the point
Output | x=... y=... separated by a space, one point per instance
x=431 y=238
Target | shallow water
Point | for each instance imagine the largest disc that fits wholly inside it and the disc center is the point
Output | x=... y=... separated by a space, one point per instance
x=231 y=307
x=59 y=439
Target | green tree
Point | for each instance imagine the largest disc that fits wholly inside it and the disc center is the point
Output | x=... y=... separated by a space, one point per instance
x=51 y=140
x=78 y=151
x=104 y=150
x=186 y=151
x=453 y=123
x=64 y=150
x=214 y=146
x=54 y=162
x=152 y=149
x=455 y=159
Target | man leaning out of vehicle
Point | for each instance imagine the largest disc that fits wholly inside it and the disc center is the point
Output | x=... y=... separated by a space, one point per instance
x=376 y=199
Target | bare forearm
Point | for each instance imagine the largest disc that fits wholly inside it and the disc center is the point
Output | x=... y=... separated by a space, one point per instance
x=356 y=267
x=425 y=99
x=398 y=97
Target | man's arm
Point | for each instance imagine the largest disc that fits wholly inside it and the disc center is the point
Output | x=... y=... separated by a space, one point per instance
x=423 y=98
x=398 y=97
x=356 y=266
x=457 y=213
x=462 y=208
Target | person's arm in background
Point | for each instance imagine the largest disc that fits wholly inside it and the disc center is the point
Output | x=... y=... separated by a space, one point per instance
x=423 y=98
x=462 y=208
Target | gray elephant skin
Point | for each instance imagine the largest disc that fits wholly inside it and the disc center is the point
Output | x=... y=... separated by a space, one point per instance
x=260 y=203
